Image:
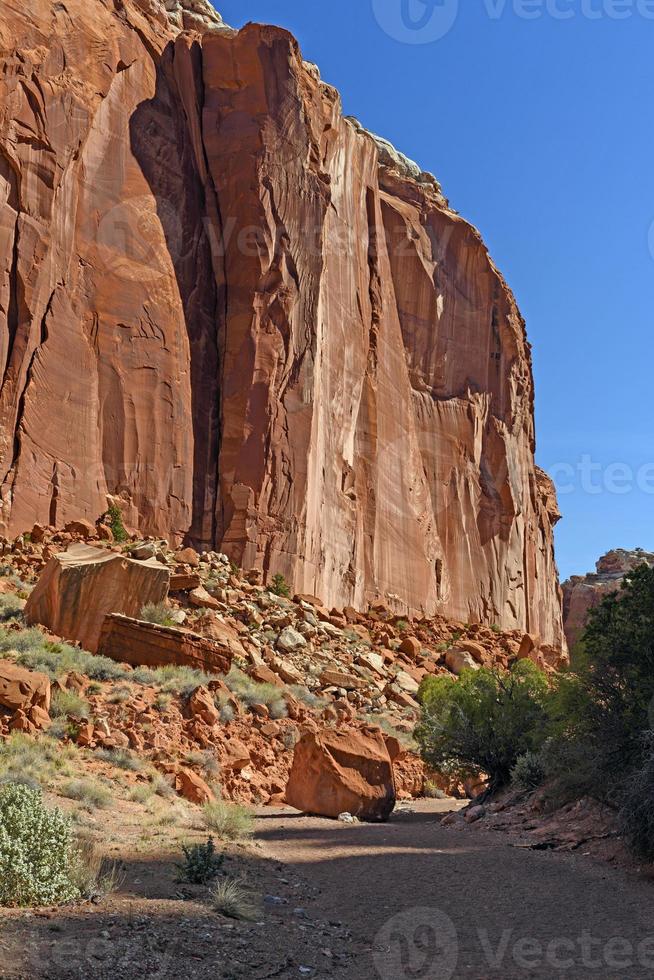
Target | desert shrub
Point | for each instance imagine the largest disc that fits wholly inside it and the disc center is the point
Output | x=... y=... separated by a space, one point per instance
x=65 y=703
x=157 y=613
x=90 y=794
x=201 y=863
x=231 y=898
x=31 y=649
x=120 y=695
x=11 y=607
x=228 y=820
x=141 y=793
x=120 y=758
x=615 y=666
x=279 y=586
x=40 y=760
x=251 y=692
x=171 y=679
x=36 y=850
x=114 y=519
x=637 y=810
x=432 y=791
x=482 y=722
x=206 y=761
x=528 y=772
x=93 y=875
x=162 y=787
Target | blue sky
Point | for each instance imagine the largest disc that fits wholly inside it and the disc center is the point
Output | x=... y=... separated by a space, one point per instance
x=540 y=129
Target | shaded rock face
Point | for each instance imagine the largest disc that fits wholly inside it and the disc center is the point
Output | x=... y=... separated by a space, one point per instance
x=581 y=593
x=258 y=326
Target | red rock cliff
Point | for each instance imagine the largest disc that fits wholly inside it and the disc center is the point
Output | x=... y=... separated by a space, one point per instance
x=261 y=327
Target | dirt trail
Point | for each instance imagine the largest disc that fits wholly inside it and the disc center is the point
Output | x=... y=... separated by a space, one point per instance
x=427 y=902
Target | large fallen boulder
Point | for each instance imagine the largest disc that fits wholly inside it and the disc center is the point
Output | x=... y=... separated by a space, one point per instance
x=22 y=689
x=336 y=772
x=81 y=586
x=140 y=644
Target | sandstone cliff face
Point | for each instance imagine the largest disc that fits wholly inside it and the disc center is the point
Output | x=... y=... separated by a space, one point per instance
x=259 y=326
x=581 y=593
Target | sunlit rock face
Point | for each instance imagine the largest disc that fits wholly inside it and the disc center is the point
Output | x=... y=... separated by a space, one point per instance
x=581 y=593
x=257 y=324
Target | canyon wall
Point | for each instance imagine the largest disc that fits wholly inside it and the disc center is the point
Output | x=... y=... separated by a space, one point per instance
x=253 y=323
x=581 y=593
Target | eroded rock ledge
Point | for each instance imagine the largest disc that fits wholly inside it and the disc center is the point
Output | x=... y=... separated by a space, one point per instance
x=259 y=327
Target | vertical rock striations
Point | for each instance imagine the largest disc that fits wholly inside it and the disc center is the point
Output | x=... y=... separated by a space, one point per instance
x=259 y=325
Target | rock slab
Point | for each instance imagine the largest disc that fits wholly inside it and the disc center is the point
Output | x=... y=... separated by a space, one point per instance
x=80 y=587
x=142 y=644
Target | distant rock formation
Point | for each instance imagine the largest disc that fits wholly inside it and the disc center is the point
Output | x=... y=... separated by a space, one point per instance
x=581 y=593
x=257 y=326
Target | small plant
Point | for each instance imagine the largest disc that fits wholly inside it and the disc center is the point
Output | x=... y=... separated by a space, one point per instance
x=11 y=607
x=279 y=586
x=251 y=692
x=495 y=628
x=119 y=695
x=36 y=850
x=42 y=759
x=201 y=863
x=162 y=787
x=69 y=703
x=141 y=793
x=114 y=519
x=120 y=758
x=402 y=625
x=232 y=899
x=157 y=613
x=228 y=820
x=432 y=791
x=90 y=794
x=528 y=772
x=93 y=875
x=162 y=701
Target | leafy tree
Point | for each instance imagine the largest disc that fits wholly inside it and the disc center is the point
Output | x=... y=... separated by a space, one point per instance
x=280 y=586
x=484 y=721
x=114 y=519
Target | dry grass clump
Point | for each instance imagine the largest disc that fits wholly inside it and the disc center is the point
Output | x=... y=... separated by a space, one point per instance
x=228 y=821
x=231 y=898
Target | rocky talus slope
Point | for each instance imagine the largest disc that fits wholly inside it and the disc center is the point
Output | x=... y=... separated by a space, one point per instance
x=285 y=668
x=258 y=325
x=581 y=593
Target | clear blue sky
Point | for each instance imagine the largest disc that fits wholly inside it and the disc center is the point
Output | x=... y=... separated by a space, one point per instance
x=542 y=133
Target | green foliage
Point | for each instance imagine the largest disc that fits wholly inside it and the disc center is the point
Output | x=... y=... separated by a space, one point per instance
x=171 y=679
x=432 y=791
x=251 y=692
x=279 y=586
x=40 y=760
x=482 y=722
x=65 y=703
x=11 y=607
x=114 y=519
x=228 y=820
x=157 y=613
x=201 y=863
x=637 y=810
x=90 y=794
x=615 y=667
x=36 y=850
x=31 y=649
x=528 y=772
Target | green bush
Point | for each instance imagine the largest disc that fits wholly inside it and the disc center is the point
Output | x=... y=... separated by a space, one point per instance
x=40 y=760
x=482 y=722
x=251 y=692
x=11 y=607
x=637 y=810
x=279 y=586
x=36 y=850
x=171 y=679
x=114 y=518
x=528 y=772
x=157 y=613
x=65 y=703
x=228 y=820
x=31 y=649
x=201 y=863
